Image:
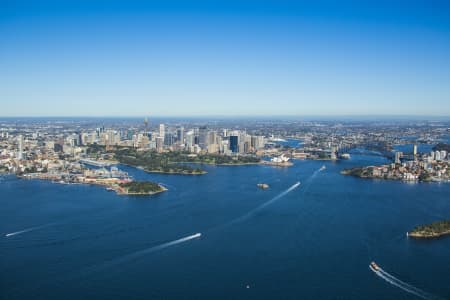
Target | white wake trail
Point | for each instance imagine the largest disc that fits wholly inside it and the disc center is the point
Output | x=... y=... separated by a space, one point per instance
x=252 y=212
x=403 y=285
x=140 y=253
x=167 y=185
x=162 y=246
x=27 y=230
x=310 y=180
x=409 y=286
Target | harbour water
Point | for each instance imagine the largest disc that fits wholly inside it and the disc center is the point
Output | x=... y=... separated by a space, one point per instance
x=314 y=241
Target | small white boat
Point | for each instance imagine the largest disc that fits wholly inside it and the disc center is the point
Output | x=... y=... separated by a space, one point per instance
x=374 y=267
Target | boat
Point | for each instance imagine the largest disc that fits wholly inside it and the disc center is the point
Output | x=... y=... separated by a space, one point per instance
x=263 y=185
x=322 y=168
x=374 y=267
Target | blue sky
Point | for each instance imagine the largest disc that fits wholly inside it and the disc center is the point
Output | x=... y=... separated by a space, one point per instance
x=135 y=58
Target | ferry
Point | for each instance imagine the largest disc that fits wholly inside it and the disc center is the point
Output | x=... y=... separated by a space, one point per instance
x=374 y=267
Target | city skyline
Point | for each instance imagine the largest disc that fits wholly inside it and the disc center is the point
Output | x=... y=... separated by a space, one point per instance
x=226 y=58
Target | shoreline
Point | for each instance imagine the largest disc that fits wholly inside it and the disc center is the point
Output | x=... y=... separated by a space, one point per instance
x=424 y=236
x=216 y=164
x=163 y=189
x=107 y=186
x=430 y=231
x=343 y=172
x=276 y=164
x=163 y=172
x=173 y=173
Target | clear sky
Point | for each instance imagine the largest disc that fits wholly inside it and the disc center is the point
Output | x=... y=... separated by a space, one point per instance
x=135 y=58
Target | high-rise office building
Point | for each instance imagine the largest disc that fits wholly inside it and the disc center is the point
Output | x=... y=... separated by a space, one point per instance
x=130 y=134
x=180 y=135
x=398 y=155
x=162 y=130
x=159 y=144
x=245 y=141
x=202 y=137
x=234 y=143
x=212 y=137
x=169 y=139
x=257 y=142
x=20 y=144
x=190 y=140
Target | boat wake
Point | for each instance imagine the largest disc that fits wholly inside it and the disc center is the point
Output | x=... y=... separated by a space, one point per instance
x=310 y=180
x=403 y=285
x=160 y=247
x=27 y=230
x=167 y=185
x=253 y=211
x=140 y=253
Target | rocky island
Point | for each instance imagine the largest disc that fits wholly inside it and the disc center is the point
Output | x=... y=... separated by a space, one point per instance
x=139 y=188
x=433 y=230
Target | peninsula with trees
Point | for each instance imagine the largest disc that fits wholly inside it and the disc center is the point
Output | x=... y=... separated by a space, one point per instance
x=153 y=162
x=177 y=162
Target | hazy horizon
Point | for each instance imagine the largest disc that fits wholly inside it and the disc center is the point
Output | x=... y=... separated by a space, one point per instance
x=240 y=117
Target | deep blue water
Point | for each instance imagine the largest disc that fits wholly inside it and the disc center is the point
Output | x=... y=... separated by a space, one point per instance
x=316 y=242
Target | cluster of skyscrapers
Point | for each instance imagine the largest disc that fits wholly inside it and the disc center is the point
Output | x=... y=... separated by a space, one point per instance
x=195 y=140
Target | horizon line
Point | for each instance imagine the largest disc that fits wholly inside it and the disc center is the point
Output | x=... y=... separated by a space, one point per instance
x=227 y=115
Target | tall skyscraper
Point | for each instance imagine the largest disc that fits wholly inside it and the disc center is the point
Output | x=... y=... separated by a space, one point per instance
x=20 y=144
x=234 y=143
x=212 y=137
x=159 y=144
x=180 y=135
x=190 y=140
x=415 y=150
x=203 y=137
x=162 y=130
x=398 y=155
x=169 y=139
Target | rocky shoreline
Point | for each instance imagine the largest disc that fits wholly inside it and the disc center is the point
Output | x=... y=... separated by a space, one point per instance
x=425 y=235
x=431 y=231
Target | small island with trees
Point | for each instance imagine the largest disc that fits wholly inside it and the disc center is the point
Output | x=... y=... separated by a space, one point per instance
x=140 y=188
x=433 y=230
